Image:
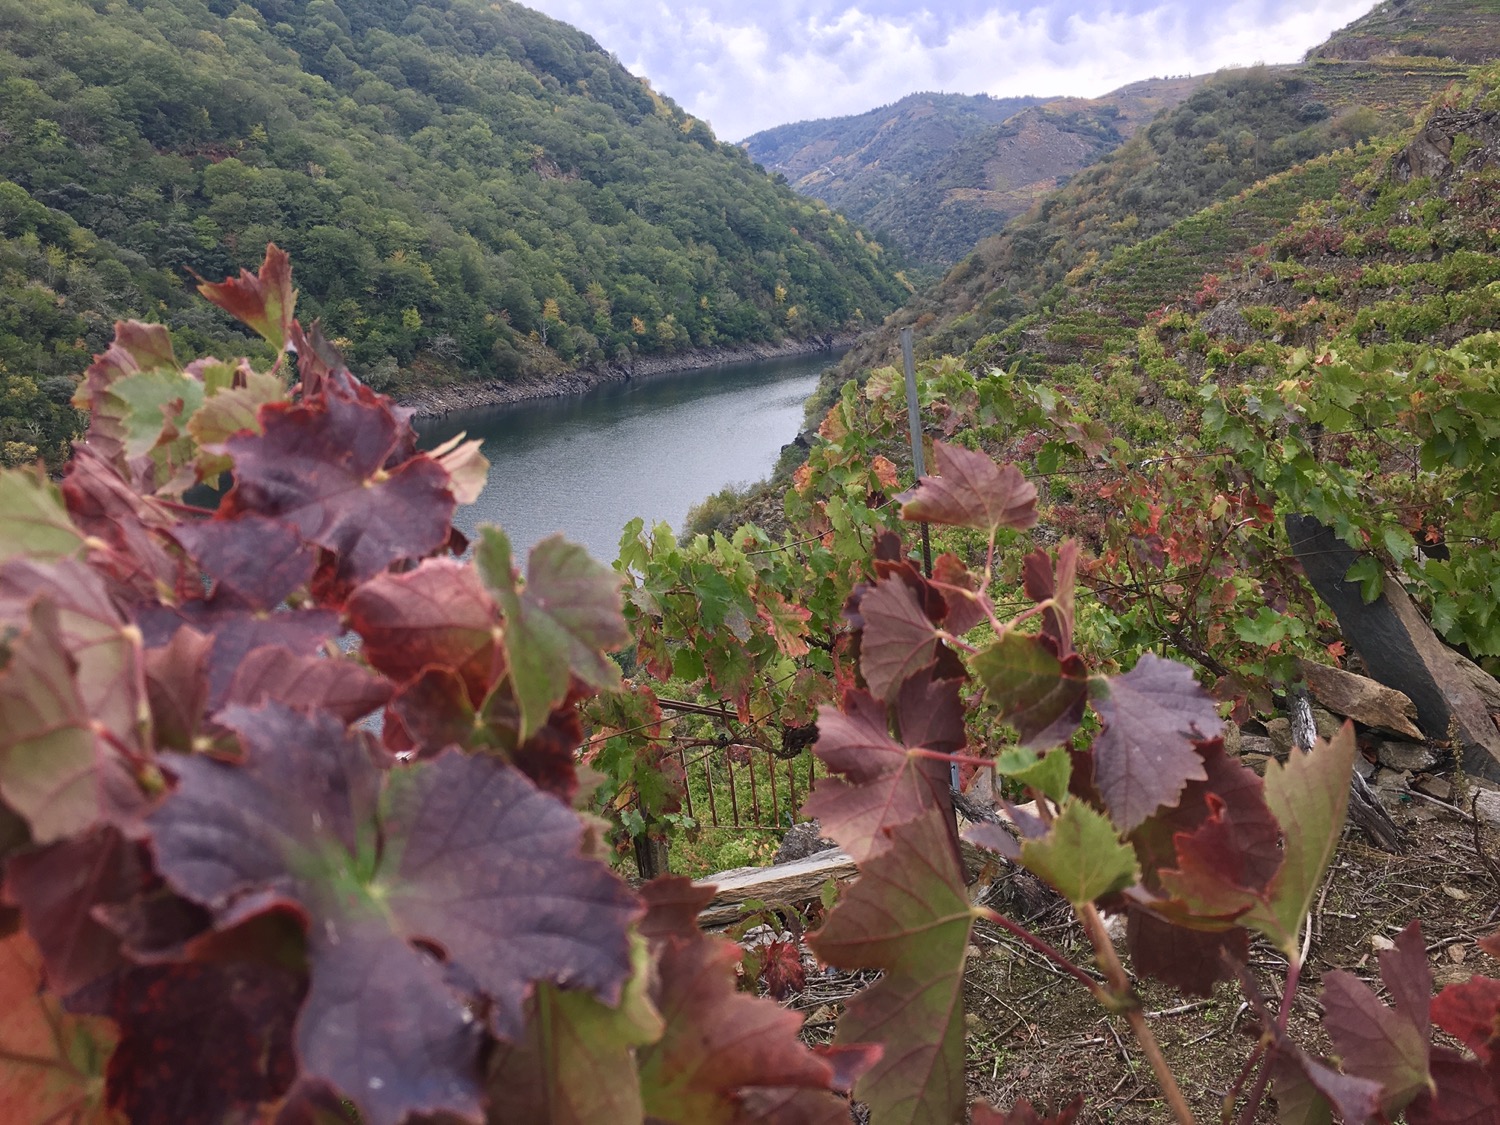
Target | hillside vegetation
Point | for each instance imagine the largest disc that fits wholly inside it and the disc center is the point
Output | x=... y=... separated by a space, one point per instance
x=935 y=173
x=470 y=191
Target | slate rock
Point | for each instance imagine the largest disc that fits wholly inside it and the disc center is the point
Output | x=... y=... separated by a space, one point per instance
x=1399 y=648
x=801 y=840
x=1366 y=701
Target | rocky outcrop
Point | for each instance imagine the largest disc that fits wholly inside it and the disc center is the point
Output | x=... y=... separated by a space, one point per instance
x=439 y=401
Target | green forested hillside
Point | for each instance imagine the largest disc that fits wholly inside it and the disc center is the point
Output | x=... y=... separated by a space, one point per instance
x=468 y=190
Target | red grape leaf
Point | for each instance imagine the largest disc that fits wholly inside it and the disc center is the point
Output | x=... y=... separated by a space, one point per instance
x=787 y=623
x=59 y=769
x=558 y=625
x=136 y=347
x=458 y=855
x=323 y=468
x=434 y=713
x=1024 y=1113
x=970 y=490
x=1041 y=696
x=881 y=783
x=1373 y=1041
x=908 y=915
x=1190 y=960
x=260 y=561
x=1082 y=855
x=334 y=684
x=57 y=888
x=718 y=1044
x=130 y=526
x=1491 y=944
x=782 y=970
x=1470 y=1012
x=51 y=1063
x=236 y=632
x=1145 y=757
x=1225 y=865
x=1467 y=1093
x=264 y=301
x=35 y=520
x=1241 y=793
x=177 y=688
x=1042 y=580
x=204 y=1043
x=898 y=641
x=964 y=609
x=583 y=1053
x=438 y=614
x=1308 y=795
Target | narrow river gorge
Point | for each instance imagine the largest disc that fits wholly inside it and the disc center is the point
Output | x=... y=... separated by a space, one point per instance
x=652 y=447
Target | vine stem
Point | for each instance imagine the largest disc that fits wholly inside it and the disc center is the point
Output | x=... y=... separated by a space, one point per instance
x=1119 y=983
x=1046 y=950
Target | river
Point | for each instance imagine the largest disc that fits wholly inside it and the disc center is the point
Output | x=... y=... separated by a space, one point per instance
x=652 y=447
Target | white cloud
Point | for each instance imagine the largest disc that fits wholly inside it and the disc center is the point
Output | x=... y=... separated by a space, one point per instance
x=747 y=66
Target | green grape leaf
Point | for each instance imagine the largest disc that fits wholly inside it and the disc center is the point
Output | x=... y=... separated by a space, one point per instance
x=1152 y=716
x=576 y=1063
x=458 y=854
x=908 y=916
x=1048 y=774
x=722 y=1051
x=229 y=411
x=51 y=1063
x=1308 y=795
x=36 y=522
x=265 y=301
x=970 y=490
x=1041 y=696
x=557 y=624
x=1081 y=856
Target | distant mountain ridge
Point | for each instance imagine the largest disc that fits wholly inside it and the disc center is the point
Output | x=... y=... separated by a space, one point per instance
x=938 y=172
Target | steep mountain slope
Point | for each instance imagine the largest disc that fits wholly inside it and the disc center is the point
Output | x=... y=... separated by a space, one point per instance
x=1237 y=129
x=1464 y=30
x=938 y=172
x=468 y=190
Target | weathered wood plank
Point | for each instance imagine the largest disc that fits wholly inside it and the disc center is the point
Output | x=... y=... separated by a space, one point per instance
x=782 y=885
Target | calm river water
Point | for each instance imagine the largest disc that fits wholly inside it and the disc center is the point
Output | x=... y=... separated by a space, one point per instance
x=651 y=447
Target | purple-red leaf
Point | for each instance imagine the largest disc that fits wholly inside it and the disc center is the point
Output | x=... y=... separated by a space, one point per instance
x=426 y=888
x=260 y=561
x=439 y=615
x=970 y=490
x=1152 y=715
x=881 y=783
x=720 y=1045
x=1042 y=580
x=322 y=467
x=1192 y=961
x=1470 y=1012
x=1467 y=1093
x=899 y=640
x=1388 y=1046
x=1305 y=1088
x=202 y=1043
x=334 y=684
x=907 y=915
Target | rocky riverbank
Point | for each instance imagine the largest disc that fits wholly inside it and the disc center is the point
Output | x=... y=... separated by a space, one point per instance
x=438 y=401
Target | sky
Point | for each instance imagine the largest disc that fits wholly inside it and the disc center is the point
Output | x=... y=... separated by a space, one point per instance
x=746 y=65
